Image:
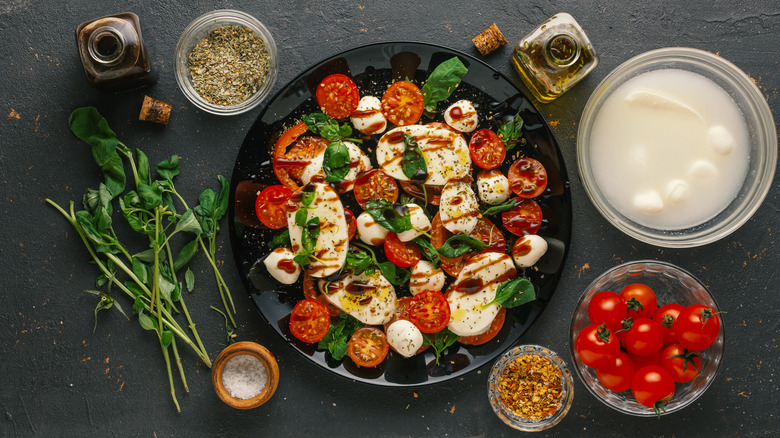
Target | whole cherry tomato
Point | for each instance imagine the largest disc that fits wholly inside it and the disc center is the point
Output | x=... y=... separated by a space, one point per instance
x=608 y=308
x=682 y=364
x=697 y=327
x=641 y=300
x=666 y=316
x=653 y=387
x=596 y=346
x=644 y=338
x=617 y=375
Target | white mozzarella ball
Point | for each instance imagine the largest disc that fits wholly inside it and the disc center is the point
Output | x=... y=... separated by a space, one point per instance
x=369 y=231
x=368 y=117
x=676 y=191
x=703 y=170
x=493 y=187
x=721 y=140
x=528 y=249
x=420 y=223
x=405 y=338
x=649 y=202
x=282 y=266
x=458 y=207
x=426 y=276
x=462 y=116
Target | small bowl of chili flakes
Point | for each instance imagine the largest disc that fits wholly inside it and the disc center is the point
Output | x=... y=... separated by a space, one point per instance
x=530 y=388
x=226 y=62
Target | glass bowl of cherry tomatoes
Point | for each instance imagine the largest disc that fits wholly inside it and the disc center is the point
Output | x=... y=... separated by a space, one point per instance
x=646 y=338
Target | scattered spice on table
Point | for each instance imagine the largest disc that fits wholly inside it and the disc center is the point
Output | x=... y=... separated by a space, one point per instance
x=229 y=65
x=244 y=376
x=530 y=387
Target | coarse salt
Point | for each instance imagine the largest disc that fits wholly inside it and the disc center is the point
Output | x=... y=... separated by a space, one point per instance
x=244 y=376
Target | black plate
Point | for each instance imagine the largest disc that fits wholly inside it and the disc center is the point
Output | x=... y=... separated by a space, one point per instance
x=373 y=67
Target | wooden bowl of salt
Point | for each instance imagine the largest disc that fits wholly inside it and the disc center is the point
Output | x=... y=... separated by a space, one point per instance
x=245 y=375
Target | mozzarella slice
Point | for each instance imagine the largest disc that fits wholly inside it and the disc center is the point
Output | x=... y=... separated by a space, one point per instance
x=282 y=267
x=458 y=208
x=332 y=243
x=368 y=297
x=420 y=223
x=493 y=187
x=369 y=231
x=426 y=276
x=462 y=116
x=404 y=337
x=368 y=118
x=470 y=313
x=528 y=249
x=359 y=163
x=446 y=152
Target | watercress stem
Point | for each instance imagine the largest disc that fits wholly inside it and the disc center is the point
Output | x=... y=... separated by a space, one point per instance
x=220 y=280
x=179 y=365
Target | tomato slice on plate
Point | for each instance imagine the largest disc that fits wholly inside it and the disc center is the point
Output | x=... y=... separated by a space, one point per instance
x=486 y=149
x=375 y=184
x=368 y=347
x=351 y=223
x=289 y=164
x=527 y=178
x=429 y=311
x=484 y=231
x=403 y=254
x=312 y=292
x=402 y=103
x=492 y=331
x=428 y=193
x=309 y=321
x=523 y=219
x=271 y=206
x=338 y=96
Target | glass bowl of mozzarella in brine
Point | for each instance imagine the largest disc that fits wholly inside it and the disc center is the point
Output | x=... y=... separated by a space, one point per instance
x=677 y=147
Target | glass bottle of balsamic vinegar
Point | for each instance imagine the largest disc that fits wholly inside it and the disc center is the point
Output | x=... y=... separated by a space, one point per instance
x=554 y=57
x=113 y=53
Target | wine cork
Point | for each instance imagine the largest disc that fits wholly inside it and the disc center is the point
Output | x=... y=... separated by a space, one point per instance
x=489 y=40
x=153 y=110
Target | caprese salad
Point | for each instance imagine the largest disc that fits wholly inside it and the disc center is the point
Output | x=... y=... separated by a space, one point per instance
x=422 y=262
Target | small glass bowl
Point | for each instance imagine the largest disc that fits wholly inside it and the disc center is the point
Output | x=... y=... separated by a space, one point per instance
x=762 y=149
x=671 y=284
x=196 y=32
x=509 y=417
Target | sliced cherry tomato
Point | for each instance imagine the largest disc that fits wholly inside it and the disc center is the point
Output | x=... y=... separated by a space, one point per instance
x=486 y=149
x=484 y=231
x=698 y=327
x=271 y=206
x=644 y=338
x=402 y=103
x=403 y=254
x=309 y=321
x=429 y=311
x=351 y=223
x=492 y=331
x=375 y=184
x=607 y=307
x=596 y=346
x=368 y=347
x=523 y=219
x=312 y=292
x=641 y=300
x=653 y=387
x=289 y=164
x=682 y=364
x=617 y=375
x=666 y=316
x=431 y=194
x=527 y=178
x=338 y=96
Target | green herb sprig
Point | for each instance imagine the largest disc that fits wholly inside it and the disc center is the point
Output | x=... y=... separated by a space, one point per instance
x=511 y=131
x=440 y=341
x=394 y=274
x=328 y=128
x=413 y=162
x=337 y=339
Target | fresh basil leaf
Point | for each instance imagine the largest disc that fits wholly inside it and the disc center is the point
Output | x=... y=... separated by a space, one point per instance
x=310 y=234
x=307 y=194
x=442 y=82
x=500 y=208
x=393 y=217
x=302 y=260
x=394 y=274
x=511 y=131
x=88 y=125
x=282 y=239
x=412 y=161
x=428 y=250
x=327 y=127
x=336 y=161
x=300 y=216
x=515 y=292
x=460 y=244
x=358 y=262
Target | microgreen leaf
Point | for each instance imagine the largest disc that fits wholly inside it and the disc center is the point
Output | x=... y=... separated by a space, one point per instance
x=166 y=338
x=189 y=223
x=146 y=321
x=186 y=253
x=189 y=278
x=88 y=125
x=168 y=169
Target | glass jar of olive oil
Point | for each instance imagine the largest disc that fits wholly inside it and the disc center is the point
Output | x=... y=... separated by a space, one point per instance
x=554 y=57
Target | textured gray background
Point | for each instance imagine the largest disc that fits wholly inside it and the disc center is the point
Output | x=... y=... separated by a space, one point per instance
x=58 y=378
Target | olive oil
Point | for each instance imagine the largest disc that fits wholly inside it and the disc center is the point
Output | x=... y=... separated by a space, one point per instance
x=554 y=57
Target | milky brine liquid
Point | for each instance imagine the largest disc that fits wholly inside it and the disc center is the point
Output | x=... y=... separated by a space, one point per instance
x=669 y=149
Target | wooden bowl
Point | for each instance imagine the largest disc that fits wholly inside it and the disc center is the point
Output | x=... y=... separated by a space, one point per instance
x=265 y=357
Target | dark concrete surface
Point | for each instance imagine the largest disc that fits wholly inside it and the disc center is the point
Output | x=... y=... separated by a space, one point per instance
x=57 y=377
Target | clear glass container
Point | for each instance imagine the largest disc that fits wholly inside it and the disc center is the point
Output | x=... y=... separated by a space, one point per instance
x=113 y=53
x=554 y=57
